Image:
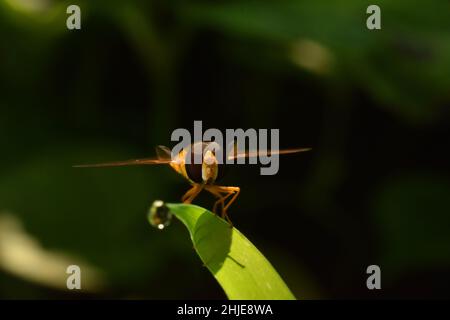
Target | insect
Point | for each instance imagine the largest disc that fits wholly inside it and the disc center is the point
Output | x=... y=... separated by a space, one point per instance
x=201 y=176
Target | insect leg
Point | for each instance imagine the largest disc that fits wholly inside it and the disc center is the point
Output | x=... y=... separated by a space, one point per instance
x=192 y=193
x=232 y=192
x=221 y=198
x=187 y=194
x=229 y=191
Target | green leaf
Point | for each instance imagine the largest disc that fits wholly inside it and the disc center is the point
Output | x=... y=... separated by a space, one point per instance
x=239 y=267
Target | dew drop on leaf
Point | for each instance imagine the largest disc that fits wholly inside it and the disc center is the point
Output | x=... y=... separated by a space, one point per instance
x=159 y=215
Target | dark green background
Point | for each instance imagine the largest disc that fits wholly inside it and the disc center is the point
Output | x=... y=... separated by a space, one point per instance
x=375 y=189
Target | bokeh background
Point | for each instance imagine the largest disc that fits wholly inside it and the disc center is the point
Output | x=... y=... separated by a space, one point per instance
x=373 y=105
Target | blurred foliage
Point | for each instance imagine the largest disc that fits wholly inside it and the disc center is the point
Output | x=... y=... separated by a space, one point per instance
x=374 y=105
x=418 y=201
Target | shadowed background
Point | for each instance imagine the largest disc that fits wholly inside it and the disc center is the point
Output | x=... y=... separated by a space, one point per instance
x=373 y=105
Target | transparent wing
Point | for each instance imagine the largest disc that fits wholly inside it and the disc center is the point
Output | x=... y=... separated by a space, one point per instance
x=257 y=153
x=163 y=153
x=134 y=162
x=163 y=157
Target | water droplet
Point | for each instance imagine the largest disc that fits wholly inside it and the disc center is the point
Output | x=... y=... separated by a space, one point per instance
x=159 y=215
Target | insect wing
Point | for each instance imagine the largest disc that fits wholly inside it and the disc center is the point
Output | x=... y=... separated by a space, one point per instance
x=134 y=162
x=257 y=153
x=163 y=153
